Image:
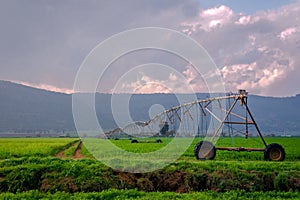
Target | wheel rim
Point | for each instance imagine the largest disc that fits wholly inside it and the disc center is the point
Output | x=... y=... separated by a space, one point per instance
x=205 y=151
x=275 y=154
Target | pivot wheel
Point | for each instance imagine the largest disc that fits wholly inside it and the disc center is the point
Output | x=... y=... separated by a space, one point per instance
x=205 y=150
x=274 y=152
x=158 y=141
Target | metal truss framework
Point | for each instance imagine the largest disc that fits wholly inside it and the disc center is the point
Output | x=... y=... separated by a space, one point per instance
x=185 y=119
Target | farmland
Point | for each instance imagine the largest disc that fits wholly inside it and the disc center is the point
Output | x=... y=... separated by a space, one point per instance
x=291 y=146
x=35 y=168
x=10 y=147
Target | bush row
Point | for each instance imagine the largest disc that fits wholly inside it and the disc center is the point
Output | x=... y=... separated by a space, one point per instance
x=87 y=175
x=134 y=194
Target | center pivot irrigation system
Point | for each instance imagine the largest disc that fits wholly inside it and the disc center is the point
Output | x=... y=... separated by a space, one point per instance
x=208 y=119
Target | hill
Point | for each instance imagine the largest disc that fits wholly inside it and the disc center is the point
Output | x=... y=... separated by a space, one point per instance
x=26 y=109
x=34 y=111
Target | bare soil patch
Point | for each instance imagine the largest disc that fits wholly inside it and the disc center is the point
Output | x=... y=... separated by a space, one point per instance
x=77 y=154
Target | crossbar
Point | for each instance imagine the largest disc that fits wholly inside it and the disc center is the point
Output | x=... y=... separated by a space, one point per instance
x=240 y=149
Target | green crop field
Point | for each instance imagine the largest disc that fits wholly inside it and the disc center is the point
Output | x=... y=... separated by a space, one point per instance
x=291 y=146
x=20 y=147
x=63 y=168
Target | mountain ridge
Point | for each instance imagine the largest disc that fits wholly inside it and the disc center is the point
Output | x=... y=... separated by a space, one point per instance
x=26 y=109
x=42 y=89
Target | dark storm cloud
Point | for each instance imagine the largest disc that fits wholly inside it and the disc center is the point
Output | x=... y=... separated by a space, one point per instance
x=44 y=42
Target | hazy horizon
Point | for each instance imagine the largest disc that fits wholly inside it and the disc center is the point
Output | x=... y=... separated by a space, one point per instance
x=49 y=90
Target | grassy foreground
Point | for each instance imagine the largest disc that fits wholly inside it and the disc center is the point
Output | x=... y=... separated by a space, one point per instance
x=30 y=169
x=134 y=194
x=88 y=175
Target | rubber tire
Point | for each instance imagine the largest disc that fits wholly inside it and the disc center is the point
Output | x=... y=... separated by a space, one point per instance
x=211 y=155
x=158 y=141
x=134 y=141
x=274 y=147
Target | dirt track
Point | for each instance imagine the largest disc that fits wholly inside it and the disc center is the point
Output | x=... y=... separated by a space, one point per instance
x=77 y=152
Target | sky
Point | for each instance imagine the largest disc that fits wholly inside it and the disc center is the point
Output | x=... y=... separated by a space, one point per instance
x=255 y=44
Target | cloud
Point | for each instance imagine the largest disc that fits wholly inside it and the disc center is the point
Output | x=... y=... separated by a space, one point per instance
x=251 y=76
x=148 y=85
x=45 y=87
x=190 y=74
x=217 y=16
x=258 y=52
x=166 y=81
x=244 y=20
x=173 y=77
x=209 y=19
x=287 y=33
x=44 y=42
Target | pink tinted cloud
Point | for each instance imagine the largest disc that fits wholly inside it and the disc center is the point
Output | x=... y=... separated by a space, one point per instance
x=259 y=52
x=46 y=87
